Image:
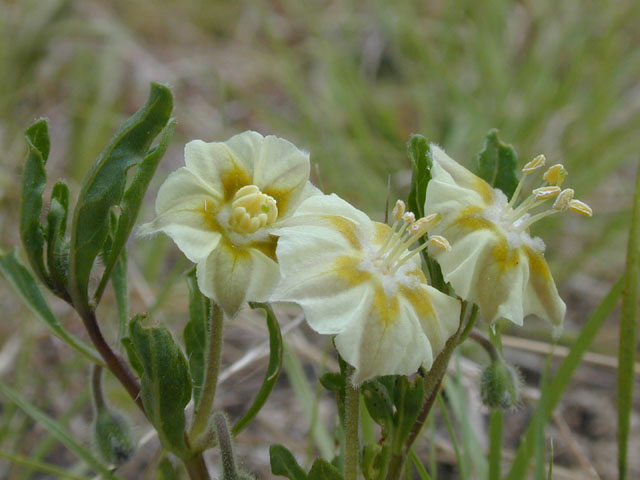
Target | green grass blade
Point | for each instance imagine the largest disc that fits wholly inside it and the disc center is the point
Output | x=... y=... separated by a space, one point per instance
x=57 y=431
x=462 y=461
x=28 y=289
x=556 y=387
x=40 y=466
x=628 y=335
x=306 y=398
x=422 y=472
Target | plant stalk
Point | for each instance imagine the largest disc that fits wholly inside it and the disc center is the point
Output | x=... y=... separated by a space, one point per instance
x=214 y=355
x=196 y=467
x=351 y=437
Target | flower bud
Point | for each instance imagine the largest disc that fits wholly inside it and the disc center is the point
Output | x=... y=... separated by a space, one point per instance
x=112 y=436
x=500 y=385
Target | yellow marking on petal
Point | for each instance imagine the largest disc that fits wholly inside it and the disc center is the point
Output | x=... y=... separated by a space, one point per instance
x=282 y=198
x=268 y=247
x=347 y=229
x=421 y=303
x=504 y=256
x=484 y=189
x=470 y=219
x=542 y=282
x=385 y=308
x=346 y=268
x=233 y=180
x=380 y=233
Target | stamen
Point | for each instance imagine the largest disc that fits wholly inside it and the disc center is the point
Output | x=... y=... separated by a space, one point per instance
x=398 y=210
x=581 y=208
x=440 y=242
x=436 y=241
x=423 y=225
x=544 y=193
x=534 y=164
x=251 y=210
x=564 y=199
x=555 y=175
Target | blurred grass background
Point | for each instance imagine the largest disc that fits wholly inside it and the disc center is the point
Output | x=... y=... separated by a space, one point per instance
x=347 y=80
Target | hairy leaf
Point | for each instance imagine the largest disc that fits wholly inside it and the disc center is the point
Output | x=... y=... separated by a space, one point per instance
x=104 y=186
x=165 y=383
x=323 y=470
x=420 y=155
x=284 y=463
x=196 y=334
x=497 y=163
x=57 y=243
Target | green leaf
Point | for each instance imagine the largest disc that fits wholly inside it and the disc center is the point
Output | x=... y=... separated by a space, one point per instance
x=30 y=464
x=57 y=243
x=131 y=201
x=628 y=335
x=378 y=402
x=104 y=186
x=273 y=368
x=560 y=380
x=422 y=472
x=165 y=383
x=420 y=156
x=284 y=463
x=58 y=432
x=461 y=460
x=34 y=180
x=134 y=360
x=119 y=280
x=333 y=382
x=408 y=405
x=196 y=334
x=497 y=163
x=323 y=470
x=27 y=287
x=166 y=470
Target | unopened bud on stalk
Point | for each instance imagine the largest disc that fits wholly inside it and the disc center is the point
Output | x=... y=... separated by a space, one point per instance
x=500 y=385
x=112 y=436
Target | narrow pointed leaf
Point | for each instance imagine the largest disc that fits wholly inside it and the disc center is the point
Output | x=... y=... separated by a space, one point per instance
x=272 y=373
x=131 y=201
x=284 y=463
x=420 y=156
x=58 y=432
x=34 y=180
x=560 y=381
x=165 y=383
x=628 y=335
x=104 y=187
x=57 y=243
x=196 y=334
x=497 y=163
x=27 y=287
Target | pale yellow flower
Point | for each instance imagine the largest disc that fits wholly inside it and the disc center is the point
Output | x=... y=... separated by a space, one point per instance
x=494 y=261
x=356 y=278
x=221 y=207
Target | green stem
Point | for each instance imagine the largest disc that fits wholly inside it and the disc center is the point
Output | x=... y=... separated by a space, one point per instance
x=351 y=440
x=214 y=355
x=485 y=343
x=96 y=388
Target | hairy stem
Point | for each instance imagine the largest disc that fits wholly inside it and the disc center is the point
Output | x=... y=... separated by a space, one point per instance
x=351 y=439
x=196 y=468
x=214 y=354
x=485 y=343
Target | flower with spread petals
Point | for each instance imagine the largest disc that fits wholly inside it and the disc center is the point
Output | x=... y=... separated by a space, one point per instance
x=221 y=207
x=494 y=261
x=356 y=278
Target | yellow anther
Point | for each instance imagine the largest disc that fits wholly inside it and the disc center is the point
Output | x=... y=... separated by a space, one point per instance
x=543 y=193
x=408 y=218
x=564 y=199
x=555 y=175
x=534 y=164
x=580 y=207
x=424 y=224
x=398 y=210
x=251 y=210
x=440 y=242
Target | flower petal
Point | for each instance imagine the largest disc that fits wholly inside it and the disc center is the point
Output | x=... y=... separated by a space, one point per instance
x=375 y=347
x=447 y=170
x=226 y=166
x=542 y=298
x=230 y=276
x=183 y=186
x=281 y=170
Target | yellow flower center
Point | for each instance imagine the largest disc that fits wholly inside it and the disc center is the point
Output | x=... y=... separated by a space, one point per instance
x=251 y=210
x=405 y=231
